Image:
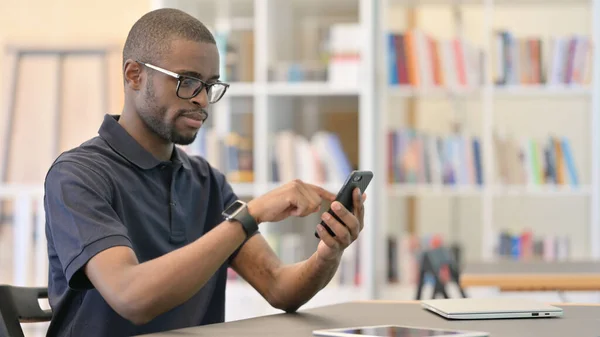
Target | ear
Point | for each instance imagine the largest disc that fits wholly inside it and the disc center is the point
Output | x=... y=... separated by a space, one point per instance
x=132 y=73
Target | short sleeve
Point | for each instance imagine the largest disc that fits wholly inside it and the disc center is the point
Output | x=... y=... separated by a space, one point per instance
x=229 y=197
x=79 y=218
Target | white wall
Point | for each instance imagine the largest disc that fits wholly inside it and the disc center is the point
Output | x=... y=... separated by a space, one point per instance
x=60 y=23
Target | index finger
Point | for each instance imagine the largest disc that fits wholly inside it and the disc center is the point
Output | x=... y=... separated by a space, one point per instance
x=323 y=193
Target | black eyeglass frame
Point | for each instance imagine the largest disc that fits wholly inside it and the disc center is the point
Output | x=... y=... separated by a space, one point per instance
x=181 y=77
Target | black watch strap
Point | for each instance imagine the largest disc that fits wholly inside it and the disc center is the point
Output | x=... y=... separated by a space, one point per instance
x=248 y=222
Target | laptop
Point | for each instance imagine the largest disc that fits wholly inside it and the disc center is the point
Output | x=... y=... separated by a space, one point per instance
x=490 y=308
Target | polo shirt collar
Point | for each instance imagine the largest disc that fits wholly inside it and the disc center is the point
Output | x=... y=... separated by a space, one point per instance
x=122 y=142
x=181 y=156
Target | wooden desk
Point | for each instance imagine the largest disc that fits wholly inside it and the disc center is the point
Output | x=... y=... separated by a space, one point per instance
x=533 y=276
x=582 y=321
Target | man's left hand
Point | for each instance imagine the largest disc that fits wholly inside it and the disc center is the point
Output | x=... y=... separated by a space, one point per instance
x=331 y=248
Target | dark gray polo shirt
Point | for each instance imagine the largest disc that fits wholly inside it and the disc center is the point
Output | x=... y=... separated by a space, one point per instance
x=109 y=192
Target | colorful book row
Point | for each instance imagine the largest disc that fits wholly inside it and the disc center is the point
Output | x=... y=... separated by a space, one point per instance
x=230 y=154
x=416 y=157
x=527 y=246
x=319 y=159
x=416 y=58
x=561 y=60
x=535 y=162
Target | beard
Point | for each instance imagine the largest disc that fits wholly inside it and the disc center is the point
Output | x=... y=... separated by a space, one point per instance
x=154 y=117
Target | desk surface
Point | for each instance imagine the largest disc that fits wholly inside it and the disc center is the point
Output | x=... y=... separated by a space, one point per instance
x=580 y=321
x=534 y=275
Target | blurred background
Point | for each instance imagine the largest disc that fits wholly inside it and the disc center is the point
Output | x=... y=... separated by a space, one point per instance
x=479 y=119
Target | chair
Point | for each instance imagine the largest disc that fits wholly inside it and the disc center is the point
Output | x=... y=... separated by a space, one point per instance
x=432 y=262
x=20 y=305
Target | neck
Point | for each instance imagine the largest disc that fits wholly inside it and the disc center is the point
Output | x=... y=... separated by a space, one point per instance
x=158 y=147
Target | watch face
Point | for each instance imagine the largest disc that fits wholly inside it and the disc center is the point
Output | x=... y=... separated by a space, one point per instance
x=233 y=208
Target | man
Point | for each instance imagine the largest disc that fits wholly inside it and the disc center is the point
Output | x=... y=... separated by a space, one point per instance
x=137 y=237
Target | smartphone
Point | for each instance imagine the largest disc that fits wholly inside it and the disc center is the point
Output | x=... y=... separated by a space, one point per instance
x=360 y=179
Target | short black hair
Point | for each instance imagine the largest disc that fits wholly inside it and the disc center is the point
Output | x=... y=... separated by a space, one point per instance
x=150 y=37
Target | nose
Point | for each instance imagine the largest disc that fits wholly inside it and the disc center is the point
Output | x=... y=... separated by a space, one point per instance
x=201 y=99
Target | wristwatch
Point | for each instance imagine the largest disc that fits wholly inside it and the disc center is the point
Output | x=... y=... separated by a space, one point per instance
x=238 y=211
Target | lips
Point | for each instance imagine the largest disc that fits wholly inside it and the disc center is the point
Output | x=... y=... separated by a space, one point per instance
x=197 y=115
x=193 y=120
x=192 y=123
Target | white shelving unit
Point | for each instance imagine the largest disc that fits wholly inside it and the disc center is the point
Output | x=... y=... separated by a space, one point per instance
x=482 y=108
x=273 y=103
x=277 y=27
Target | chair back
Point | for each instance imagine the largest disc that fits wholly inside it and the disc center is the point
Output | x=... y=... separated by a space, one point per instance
x=21 y=305
x=432 y=262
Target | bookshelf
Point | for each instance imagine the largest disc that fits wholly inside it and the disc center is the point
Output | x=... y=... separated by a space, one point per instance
x=519 y=118
x=298 y=111
x=290 y=87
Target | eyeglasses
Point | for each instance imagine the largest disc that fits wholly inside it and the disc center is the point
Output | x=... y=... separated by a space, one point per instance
x=189 y=87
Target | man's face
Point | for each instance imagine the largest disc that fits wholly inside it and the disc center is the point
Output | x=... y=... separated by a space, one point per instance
x=172 y=118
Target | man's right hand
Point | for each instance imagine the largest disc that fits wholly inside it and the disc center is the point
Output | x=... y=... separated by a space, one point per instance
x=295 y=198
